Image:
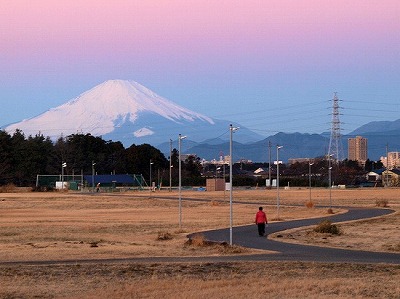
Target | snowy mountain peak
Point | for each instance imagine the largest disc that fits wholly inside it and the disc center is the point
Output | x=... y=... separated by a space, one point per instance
x=106 y=107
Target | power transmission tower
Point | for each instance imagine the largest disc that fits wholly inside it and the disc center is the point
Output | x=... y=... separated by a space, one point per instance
x=335 y=142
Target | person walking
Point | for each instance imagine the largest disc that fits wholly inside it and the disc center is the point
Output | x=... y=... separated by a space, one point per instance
x=261 y=221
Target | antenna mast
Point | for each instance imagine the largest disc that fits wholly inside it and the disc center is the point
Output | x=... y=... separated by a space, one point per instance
x=335 y=142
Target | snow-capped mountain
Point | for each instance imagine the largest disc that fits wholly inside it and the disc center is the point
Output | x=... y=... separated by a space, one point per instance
x=125 y=111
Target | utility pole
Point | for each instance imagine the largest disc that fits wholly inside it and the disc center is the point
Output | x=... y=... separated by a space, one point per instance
x=232 y=130
x=170 y=165
x=93 y=173
x=309 y=175
x=330 y=180
x=269 y=165
x=180 y=137
x=63 y=165
x=278 y=147
x=387 y=164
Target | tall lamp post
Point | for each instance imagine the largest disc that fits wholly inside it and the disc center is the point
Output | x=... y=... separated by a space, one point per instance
x=387 y=165
x=150 y=183
x=170 y=165
x=224 y=180
x=63 y=165
x=269 y=165
x=180 y=179
x=93 y=164
x=330 y=180
x=278 y=147
x=232 y=129
x=216 y=171
x=309 y=175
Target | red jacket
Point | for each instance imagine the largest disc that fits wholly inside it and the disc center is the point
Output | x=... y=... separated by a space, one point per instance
x=261 y=217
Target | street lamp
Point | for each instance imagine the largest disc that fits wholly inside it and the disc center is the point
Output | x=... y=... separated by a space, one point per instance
x=93 y=164
x=278 y=147
x=216 y=172
x=224 y=180
x=309 y=175
x=232 y=129
x=329 y=180
x=269 y=165
x=180 y=179
x=63 y=165
x=387 y=165
x=150 y=183
x=170 y=165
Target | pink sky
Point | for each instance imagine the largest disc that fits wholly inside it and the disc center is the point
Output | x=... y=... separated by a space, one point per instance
x=182 y=47
x=54 y=29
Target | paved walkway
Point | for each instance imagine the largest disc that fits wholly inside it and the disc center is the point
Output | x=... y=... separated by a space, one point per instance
x=247 y=236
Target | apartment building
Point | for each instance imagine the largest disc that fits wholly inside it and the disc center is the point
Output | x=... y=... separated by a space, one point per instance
x=358 y=149
x=392 y=160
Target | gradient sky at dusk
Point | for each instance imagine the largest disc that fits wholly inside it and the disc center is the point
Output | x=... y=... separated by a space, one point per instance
x=271 y=65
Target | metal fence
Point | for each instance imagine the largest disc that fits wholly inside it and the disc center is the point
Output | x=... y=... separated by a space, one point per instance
x=78 y=182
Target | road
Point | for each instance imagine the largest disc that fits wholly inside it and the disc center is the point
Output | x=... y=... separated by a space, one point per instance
x=247 y=236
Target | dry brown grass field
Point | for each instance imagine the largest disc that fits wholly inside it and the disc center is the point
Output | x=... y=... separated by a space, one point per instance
x=75 y=226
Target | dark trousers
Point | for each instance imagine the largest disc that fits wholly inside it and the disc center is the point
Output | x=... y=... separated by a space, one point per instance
x=261 y=228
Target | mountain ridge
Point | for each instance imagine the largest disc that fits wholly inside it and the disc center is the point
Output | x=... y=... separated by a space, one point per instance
x=377 y=126
x=101 y=108
x=126 y=111
x=295 y=145
x=133 y=114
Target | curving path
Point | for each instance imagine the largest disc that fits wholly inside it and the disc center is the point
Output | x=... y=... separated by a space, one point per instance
x=247 y=236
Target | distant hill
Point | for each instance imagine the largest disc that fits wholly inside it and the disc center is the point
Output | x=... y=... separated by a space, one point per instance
x=379 y=134
x=126 y=111
x=295 y=145
x=377 y=127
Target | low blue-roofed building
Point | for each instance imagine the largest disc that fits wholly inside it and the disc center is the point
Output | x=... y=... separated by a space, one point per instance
x=114 y=180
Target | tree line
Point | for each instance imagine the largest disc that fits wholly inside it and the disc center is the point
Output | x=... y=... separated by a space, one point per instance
x=23 y=158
